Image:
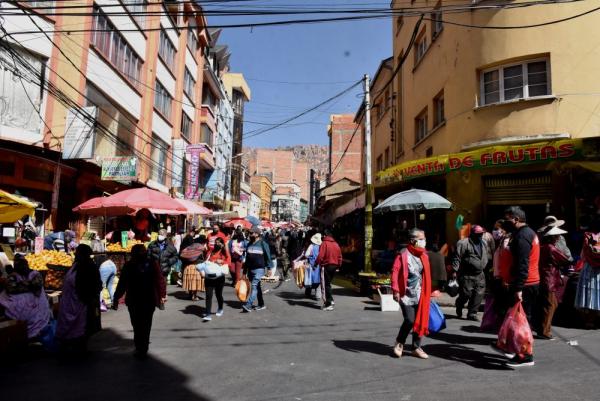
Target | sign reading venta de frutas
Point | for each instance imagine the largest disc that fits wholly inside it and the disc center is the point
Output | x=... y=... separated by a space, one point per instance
x=119 y=168
x=493 y=156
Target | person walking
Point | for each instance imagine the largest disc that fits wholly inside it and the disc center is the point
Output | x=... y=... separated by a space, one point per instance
x=524 y=274
x=258 y=258
x=237 y=250
x=164 y=253
x=145 y=289
x=214 y=278
x=313 y=271
x=283 y=260
x=330 y=260
x=196 y=253
x=214 y=234
x=552 y=261
x=587 y=299
x=469 y=262
x=411 y=286
x=79 y=309
x=561 y=244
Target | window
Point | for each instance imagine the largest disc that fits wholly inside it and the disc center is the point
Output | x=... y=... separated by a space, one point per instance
x=421 y=126
x=420 y=48
x=188 y=84
x=109 y=42
x=206 y=135
x=42 y=4
x=436 y=23
x=186 y=125
x=438 y=109
x=386 y=158
x=159 y=159
x=192 y=40
x=162 y=99
x=208 y=98
x=379 y=163
x=137 y=8
x=513 y=82
x=166 y=50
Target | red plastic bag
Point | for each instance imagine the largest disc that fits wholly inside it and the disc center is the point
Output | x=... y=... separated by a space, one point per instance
x=515 y=335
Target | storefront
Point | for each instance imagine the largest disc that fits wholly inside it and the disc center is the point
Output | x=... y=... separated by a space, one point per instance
x=542 y=177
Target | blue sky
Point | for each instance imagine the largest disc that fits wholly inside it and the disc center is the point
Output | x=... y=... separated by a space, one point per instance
x=328 y=57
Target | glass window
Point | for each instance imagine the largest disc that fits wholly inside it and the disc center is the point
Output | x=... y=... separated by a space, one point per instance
x=436 y=23
x=188 y=84
x=421 y=126
x=513 y=82
x=186 y=125
x=420 y=48
x=162 y=100
x=159 y=159
x=137 y=9
x=192 y=40
x=438 y=103
x=166 y=50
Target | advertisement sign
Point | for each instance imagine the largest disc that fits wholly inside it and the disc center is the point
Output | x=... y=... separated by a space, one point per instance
x=492 y=156
x=119 y=168
x=193 y=154
x=80 y=134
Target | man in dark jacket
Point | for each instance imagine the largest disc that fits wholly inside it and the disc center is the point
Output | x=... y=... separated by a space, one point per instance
x=163 y=252
x=470 y=261
x=330 y=259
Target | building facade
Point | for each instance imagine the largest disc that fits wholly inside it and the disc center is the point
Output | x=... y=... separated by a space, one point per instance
x=263 y=187
x=285 y=203
x=494 y=117
x=345 y=148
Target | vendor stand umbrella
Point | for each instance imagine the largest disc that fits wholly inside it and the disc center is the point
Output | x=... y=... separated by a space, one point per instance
x=233 y=223
x=413 y=199
x=14 y=207
x=194 y=208
x=253 y=220
x=266 y=224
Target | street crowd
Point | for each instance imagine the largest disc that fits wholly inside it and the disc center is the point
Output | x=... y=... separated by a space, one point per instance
x=526 y=268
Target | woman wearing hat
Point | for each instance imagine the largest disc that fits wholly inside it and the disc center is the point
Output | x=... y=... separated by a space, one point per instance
x=552 y=260
x=312 y=278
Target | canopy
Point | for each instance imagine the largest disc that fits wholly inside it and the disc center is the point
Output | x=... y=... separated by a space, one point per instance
x=413 y=199
x=266 y=224
x=194 y=208
x=130 y=201
x=253 y=220
x=238 y=222
x=13 y=207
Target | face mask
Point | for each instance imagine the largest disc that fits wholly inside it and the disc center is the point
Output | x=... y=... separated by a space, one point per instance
x=161 y=238
x=421 y=243
x=215 y=231
x=497 y=234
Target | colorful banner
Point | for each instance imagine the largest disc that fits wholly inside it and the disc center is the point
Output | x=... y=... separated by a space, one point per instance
x=492 y=156
x=193 y=153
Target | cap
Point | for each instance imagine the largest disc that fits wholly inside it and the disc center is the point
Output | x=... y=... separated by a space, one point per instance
x=554 y=231
x=475 y=229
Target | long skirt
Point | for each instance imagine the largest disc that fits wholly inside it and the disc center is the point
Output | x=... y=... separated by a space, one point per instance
x=588 y=289
x=192 y=280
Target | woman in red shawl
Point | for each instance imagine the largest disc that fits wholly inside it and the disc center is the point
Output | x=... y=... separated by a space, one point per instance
x=411 y=283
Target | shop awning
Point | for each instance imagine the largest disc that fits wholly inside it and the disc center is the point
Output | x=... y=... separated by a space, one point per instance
x=581 y=151
x=13 y=207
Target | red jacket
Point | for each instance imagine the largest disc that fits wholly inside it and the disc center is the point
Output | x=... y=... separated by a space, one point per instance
x=329 y=253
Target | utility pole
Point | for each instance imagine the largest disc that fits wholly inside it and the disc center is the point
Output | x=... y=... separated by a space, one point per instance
x=368 y=184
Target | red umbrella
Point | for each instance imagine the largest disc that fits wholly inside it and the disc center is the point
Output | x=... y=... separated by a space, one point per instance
x=266 y=224
x=238 y=222
x=194 y=208
x=145 y=198
x=97 y=207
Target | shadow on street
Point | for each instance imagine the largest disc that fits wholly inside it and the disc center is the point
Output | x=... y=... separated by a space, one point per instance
x=359 y=346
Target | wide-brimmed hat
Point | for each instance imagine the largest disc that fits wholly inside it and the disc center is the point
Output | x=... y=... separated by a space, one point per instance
x=549 y=222
x=554 y=231
x=316 y=239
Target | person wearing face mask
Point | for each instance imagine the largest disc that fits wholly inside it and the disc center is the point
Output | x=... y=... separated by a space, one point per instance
x=469 y=262
x=258 y=258
x=163 y=252
x=214 y=234
x=411 y=285
x=215 y=281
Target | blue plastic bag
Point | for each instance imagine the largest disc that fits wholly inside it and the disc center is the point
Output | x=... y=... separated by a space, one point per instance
x=48 y=337
x=437 y=320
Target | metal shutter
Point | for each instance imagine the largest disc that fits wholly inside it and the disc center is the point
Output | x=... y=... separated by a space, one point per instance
x=526 y=189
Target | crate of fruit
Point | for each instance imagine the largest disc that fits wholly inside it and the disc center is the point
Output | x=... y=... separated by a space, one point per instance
x=55 y=276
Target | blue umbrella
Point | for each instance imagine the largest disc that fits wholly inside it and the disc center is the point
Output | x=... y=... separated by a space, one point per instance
x=253 y=220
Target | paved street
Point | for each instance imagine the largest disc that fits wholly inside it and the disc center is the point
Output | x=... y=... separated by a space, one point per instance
x=294 y=351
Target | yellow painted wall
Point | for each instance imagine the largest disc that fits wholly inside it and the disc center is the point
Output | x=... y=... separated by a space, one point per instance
x=456 y=56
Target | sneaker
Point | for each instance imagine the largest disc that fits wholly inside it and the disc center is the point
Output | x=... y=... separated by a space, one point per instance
x=219 y=313
x=332 y=302
x=419 y=353
x=398 y=348
x=517 y=362
x=328 y=308
x=207 y=318
x=179 y=283
x=500 y=351
x=260 y=307
x=246 y=309
x=473 y=318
